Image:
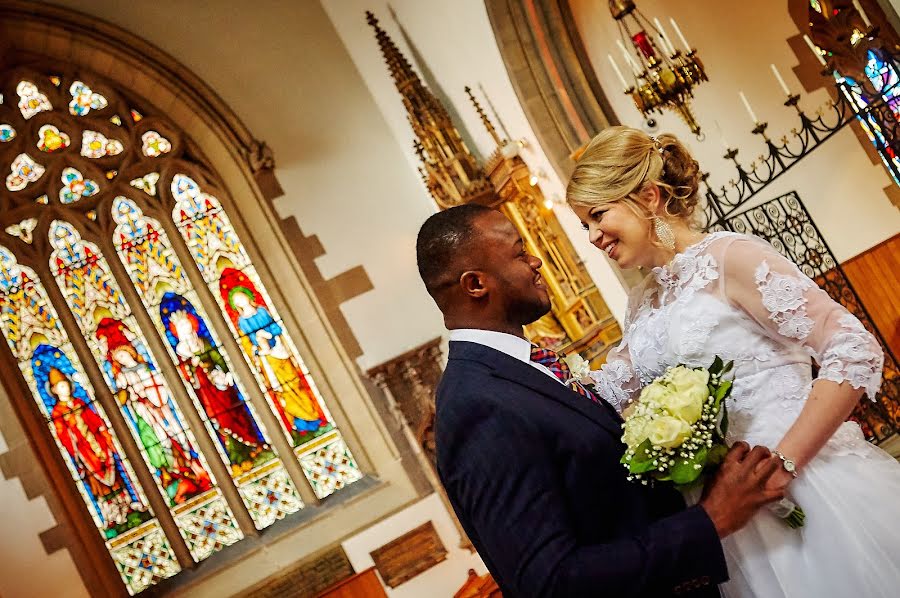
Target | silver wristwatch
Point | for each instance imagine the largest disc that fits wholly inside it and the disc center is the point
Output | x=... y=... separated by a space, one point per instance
x=788 y=465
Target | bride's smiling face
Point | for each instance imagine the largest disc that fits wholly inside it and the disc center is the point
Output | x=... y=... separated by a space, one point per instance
x=617 y=230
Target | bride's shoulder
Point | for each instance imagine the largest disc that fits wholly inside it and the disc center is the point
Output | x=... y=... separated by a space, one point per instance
x=731 y=246
x=639 y=291
x=724 y=238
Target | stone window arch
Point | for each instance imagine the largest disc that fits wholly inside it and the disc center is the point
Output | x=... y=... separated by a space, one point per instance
x=196 y=412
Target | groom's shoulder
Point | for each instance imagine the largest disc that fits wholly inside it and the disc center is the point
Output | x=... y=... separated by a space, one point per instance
x=465 y=378
x=469 y=384
x=472 y=368
x=473 y=403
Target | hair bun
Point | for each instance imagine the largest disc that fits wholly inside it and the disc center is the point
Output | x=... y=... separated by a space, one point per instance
x=620 y=162
x=681 y=174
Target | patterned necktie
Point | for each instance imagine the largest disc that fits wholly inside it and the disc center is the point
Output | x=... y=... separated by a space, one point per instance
x=552 y=362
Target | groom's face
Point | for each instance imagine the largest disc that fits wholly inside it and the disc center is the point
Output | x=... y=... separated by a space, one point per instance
x=512 y=275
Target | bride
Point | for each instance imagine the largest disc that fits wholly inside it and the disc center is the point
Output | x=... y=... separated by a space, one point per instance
x=734 y=296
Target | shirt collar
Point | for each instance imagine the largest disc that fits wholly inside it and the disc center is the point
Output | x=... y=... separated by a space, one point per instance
x=514 y=346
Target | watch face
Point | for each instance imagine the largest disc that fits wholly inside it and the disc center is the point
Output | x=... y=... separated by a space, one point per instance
x=789 y=465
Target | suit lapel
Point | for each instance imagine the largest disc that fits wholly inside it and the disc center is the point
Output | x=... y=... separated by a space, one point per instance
x=517 y=372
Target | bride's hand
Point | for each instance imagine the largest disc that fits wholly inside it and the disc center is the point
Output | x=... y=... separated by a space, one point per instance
x=780 y=479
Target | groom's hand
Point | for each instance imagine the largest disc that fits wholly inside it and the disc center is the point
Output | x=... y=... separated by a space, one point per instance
x=739 y=488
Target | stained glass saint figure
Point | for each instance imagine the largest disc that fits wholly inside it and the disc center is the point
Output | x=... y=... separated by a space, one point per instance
x=143 y=391
x=207 y=371
x=285 y=381
x=87 y=441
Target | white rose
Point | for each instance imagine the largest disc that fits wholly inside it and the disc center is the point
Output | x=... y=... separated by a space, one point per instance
x=636 y=431
x=668 y=432
x=657 y=393
x=579 y=368
x=689 y=392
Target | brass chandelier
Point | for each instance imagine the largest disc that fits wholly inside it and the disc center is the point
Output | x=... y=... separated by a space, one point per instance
x=663 y=77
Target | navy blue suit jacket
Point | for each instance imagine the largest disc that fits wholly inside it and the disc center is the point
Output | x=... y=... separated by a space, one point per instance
x=532 y=471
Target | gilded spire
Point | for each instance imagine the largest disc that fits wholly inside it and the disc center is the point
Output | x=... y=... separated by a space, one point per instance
x=401 y=70
x=484 y=119
x=454 y=175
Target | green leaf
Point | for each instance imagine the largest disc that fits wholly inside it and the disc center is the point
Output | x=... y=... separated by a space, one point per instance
x=684 y=472
x=723 y=427
x=642 y=460
x=641 y=466
x=696 y=483
x=716 y=454
x=716 y=366
x=727 y=367
x=723 y=391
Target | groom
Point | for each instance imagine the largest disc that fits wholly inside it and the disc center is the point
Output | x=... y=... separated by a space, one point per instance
x=532 y=467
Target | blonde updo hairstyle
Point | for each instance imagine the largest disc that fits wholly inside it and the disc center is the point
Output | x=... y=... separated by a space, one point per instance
x=619 y=164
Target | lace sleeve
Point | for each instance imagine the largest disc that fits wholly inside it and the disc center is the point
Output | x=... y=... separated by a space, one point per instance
x=793 y=309
x=616 y=381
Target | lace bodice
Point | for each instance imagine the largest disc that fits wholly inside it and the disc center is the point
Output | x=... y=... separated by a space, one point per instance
x=735 y=296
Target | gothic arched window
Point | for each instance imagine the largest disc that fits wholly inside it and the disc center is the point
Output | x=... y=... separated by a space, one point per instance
x=121 y=276
x=883 y=77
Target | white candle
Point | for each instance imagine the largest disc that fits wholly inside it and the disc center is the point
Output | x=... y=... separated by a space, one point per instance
x=663 y=47
x=749 y=109
x=687 y=46
x=780 y=80
x=814 y=49
x=666 y=47
x=862 y=13
x=618 y=72
x=628 y=58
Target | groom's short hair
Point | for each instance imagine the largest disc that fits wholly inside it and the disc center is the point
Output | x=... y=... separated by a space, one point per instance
x=443 y=238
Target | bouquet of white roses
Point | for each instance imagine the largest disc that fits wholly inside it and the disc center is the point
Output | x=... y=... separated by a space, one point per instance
x=676 y=431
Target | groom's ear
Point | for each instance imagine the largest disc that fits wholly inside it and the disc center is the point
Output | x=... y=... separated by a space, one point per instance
x=472 y=283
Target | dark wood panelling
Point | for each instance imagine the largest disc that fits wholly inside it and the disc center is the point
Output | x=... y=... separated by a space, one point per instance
x=875 y=274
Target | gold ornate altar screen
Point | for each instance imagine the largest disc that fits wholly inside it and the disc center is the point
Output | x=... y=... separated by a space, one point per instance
x=579 y=320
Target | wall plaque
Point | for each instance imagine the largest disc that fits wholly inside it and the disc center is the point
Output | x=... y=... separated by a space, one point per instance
x=412 y=553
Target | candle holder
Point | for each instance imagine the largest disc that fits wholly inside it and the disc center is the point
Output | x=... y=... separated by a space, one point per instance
x=664 y=77
x=779 y=157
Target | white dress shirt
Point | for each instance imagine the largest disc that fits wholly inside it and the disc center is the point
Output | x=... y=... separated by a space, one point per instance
x=514 y=346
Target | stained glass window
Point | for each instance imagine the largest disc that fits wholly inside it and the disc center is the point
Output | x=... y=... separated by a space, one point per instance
x=884 y=79
x=23 y=229
x=51 y=139
x=31 y=101
x=204 y=364
x=83 y=99
x=23 y=171
x=267 y=346
x=96 y=145
x=127 y=181
x=81 y=429
x=7 y=133
x=157 y=424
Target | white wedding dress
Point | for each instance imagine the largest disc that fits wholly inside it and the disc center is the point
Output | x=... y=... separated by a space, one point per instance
x=734 y=296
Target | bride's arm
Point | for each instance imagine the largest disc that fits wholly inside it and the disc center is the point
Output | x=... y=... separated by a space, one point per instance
x=793 y=309
x=617 y=381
